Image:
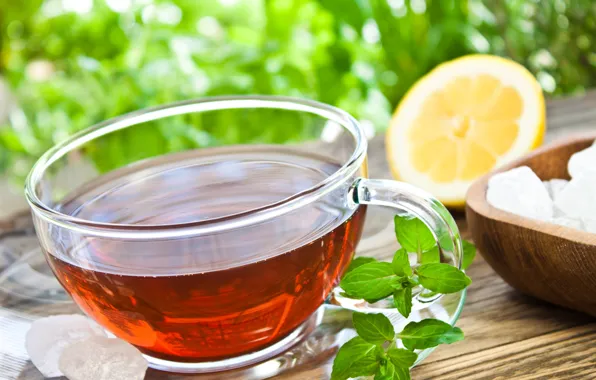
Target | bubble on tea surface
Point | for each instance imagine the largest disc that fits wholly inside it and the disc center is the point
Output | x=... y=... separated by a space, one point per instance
x=583 y=162
x=520 y=192
x=48 y=337
x=101 y=358
x=578 y=198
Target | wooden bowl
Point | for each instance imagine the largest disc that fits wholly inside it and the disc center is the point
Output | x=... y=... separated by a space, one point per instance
x=551 y=262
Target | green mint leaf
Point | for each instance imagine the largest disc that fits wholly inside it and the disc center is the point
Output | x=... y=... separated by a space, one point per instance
x=432 y=255
x=446 y=241
x=402 y=358
x=346 y=295
x=412 y=234
x=373 y=328
x=442 y=278
x=401 y=263
x=402 y=299
x=371 y=282
x=427 y=294
x=404 y=282
x=355 y=358
x=429 y=333
x=358 y=262
x=469 y=254
x=388 y=371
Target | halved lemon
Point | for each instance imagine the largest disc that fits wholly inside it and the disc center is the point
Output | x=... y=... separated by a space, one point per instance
x=461 y=120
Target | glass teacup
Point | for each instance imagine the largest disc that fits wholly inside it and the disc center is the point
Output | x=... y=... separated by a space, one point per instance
x=204 y=253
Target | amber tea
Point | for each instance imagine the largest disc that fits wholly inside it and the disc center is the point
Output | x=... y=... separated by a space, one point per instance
x=205 y=299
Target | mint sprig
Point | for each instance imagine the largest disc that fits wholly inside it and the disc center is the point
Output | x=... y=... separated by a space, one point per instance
x=373 y=328
x=469 y=254
x=388 y=371
x=412 y=234
x=377 y=280
x=442 y=278
x=402 y=299
x=359 y=261
x=430 y=256
x=366 y=355
x=429 y=333
x=402 y=358
x=376 y=350
x=372 y=281
x=401 y=263
x=357 y=358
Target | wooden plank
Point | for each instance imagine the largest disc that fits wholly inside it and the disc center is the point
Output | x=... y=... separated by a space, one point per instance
x=495 y=315
x=572 y=112
x=566 y=354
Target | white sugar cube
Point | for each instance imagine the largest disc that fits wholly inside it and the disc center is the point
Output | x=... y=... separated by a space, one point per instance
x=48 y=337
x=582 y=162
x=578 y=198
x=555 y=186
x=568 y=222
x=520 y=192
x=589 y=225
x=101 y=358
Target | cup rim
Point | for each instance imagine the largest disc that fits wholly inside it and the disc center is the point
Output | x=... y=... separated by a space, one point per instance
x=210 y=226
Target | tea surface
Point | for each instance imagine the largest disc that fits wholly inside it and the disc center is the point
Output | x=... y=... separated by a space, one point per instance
x=217 y=296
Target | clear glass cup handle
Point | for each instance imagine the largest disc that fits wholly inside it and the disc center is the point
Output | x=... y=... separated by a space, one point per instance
x=406 y=198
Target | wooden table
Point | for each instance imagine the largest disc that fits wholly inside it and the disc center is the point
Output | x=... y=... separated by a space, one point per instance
x=508 y=335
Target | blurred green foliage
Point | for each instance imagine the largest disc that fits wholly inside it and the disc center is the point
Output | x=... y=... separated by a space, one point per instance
x=73 y=63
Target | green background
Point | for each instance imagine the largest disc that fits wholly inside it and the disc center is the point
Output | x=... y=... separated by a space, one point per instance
x=73 y=63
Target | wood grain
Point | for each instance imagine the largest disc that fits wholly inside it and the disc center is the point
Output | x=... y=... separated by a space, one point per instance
x=551 y=262
x=571 y=353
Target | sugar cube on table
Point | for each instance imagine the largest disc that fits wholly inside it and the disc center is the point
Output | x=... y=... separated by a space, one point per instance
x=578 y=198
x=48 y=337
x=583 y=162
x=520 y=192
x=101 y=358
